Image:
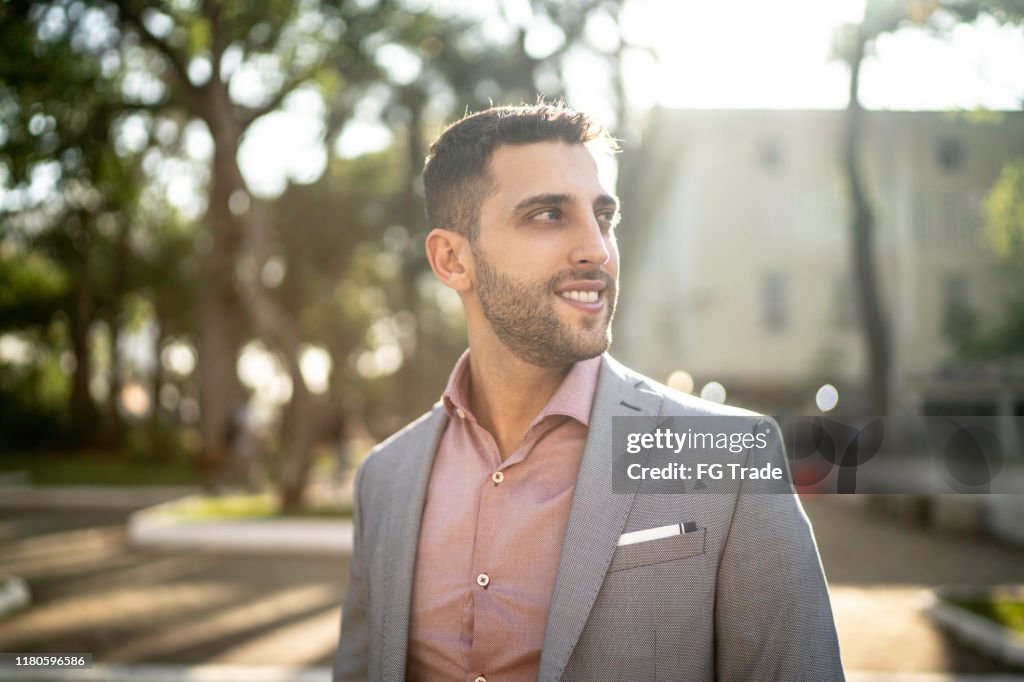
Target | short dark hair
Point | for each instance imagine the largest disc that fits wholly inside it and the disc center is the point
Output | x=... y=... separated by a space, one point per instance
x=455 y=179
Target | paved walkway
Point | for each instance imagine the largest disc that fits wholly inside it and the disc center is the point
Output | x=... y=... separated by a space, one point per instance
x=94 y=594
x=880 y=572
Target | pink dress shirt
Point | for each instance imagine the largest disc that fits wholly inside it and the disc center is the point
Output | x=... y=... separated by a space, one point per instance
x=491 y=536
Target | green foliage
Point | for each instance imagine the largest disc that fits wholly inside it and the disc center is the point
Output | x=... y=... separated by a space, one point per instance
x=1004 y=234
x=95 y=96
x=1005 y=611
x=32 y=288
x=1004 y=214
x=46 y=467
x=34 y=389
x=1006 y=340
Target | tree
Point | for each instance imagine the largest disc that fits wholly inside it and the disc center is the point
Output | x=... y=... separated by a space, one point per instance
x=72 y=191
x=197 y=53
x=1003 y=208
x=163 y=66
x=1004 y=213
x=852 y=42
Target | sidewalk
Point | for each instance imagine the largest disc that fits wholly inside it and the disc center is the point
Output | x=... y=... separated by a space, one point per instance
x=880 y=573
x=93 y=593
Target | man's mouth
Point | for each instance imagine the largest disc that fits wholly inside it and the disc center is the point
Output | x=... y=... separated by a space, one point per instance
x=581 y=296
x=587 y=295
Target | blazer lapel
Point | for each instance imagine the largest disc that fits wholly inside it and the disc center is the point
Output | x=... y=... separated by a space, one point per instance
x=403 y=532
x=596 y=518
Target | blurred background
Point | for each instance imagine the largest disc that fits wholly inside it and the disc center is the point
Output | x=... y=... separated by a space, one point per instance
x=214 y=301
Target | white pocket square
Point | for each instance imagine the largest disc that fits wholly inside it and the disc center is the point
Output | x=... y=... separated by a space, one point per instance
x=657 y=533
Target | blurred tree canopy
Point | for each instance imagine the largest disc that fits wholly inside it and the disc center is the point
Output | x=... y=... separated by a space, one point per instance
x=138 y=268
x=1004 y=212
x=1003 y=209
x=1004 y=234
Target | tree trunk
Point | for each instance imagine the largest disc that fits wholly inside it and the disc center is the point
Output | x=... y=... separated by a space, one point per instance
x=240 y=249
x=221 y=329
x=306 y=416
x=280 y=330
x=83 y=410
x=156 y=383
x=412 y=216
x=114 y=431
x=862 y=228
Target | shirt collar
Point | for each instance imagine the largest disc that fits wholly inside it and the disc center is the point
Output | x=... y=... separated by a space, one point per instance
x=574 y=397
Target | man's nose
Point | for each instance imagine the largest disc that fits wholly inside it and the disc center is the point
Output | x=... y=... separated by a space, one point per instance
x=592 y=245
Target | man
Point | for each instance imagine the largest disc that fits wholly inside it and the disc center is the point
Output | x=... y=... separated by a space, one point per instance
x=489 y=544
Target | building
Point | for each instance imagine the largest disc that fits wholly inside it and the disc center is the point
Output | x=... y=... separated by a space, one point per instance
x=744 y=265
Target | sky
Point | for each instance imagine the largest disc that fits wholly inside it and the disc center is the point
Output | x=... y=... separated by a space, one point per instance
x=747 y=54
x=775 y=55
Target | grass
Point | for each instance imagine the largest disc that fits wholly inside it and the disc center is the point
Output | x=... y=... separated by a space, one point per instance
x=1006 y=611
x=222 y=507
x=99 y=468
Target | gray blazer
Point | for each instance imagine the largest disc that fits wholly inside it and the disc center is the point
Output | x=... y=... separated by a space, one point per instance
x=743 y=598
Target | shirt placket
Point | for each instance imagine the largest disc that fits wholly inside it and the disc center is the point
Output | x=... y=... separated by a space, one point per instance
x=488 y=638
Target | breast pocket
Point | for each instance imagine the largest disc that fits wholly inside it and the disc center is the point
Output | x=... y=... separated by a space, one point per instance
x=658 y=551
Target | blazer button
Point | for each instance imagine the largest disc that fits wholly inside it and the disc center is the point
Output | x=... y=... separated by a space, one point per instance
x=483 y=580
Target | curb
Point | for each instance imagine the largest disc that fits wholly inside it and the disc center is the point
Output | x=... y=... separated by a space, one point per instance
x=90 y=496
x=159 y=529
x=977 y=631
x=14 y=595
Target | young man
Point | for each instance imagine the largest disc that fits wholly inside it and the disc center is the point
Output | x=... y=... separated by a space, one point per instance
x=488 y=539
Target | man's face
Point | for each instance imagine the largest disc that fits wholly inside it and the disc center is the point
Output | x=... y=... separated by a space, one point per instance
x=545 y=260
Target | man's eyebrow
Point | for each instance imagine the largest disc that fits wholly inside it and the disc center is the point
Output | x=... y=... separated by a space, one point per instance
x=560 y=199
x=543 y=199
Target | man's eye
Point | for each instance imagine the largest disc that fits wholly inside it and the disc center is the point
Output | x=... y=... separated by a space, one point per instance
x=548 y=214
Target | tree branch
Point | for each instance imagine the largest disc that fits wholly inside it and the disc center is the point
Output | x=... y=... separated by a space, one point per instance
x=160 y=45
x=250 y=114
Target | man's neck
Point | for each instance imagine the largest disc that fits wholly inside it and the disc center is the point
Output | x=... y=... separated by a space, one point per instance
x=506 y=394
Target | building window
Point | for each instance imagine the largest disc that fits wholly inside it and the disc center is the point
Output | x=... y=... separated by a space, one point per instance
x=774 y=301
x=946 y=219
x=949 y=154
x=769 y=153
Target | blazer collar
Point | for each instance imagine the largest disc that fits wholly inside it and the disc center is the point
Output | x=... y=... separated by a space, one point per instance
x=597 y=516
x=405 y=513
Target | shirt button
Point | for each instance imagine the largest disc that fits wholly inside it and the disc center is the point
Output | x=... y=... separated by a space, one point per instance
x=458 y=411
x=497 y=477
x=483 y=580
x=480 y=678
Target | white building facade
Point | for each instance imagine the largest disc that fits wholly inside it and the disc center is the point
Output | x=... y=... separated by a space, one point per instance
x=744 y=275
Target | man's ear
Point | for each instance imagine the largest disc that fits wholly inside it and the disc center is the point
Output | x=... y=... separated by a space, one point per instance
x=448 y=253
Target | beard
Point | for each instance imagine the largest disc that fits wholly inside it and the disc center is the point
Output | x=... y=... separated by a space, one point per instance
x=524 y=317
